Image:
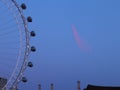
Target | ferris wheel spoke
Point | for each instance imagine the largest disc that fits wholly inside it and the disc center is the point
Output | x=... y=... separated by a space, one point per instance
x=12 y=26
x=15 y=42
x=6 y=23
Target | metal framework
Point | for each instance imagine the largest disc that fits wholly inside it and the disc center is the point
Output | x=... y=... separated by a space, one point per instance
x=24 y=50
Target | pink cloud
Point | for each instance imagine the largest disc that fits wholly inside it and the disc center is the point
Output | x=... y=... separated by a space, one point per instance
x=80 y=42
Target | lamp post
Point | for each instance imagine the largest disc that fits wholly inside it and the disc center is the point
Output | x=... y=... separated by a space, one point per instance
x=52 y=86
x=39 y=87
x=78 y=85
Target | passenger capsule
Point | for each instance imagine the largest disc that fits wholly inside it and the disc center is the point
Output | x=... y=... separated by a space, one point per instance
x=30 y=64
x=29 y=19
x=32 y=33
x=33 y=49
x=23 y=6
x=24 y=79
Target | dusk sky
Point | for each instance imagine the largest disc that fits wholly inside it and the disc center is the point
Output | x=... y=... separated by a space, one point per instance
x=75 y=40
x=59 y=59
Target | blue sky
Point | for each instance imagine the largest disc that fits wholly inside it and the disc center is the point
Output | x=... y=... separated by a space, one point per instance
x=58 y=58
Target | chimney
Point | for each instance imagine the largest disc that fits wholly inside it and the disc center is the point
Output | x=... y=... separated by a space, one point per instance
x=39 y=87
x=52 y=86
x=78 y=85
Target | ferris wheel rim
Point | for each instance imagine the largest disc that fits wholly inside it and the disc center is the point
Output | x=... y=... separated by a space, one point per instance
x=16 y=79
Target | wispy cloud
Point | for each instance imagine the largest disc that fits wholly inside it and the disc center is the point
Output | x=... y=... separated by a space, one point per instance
x=80 y=42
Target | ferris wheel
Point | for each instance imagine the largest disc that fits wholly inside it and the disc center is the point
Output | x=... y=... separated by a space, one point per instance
x=15 y=45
